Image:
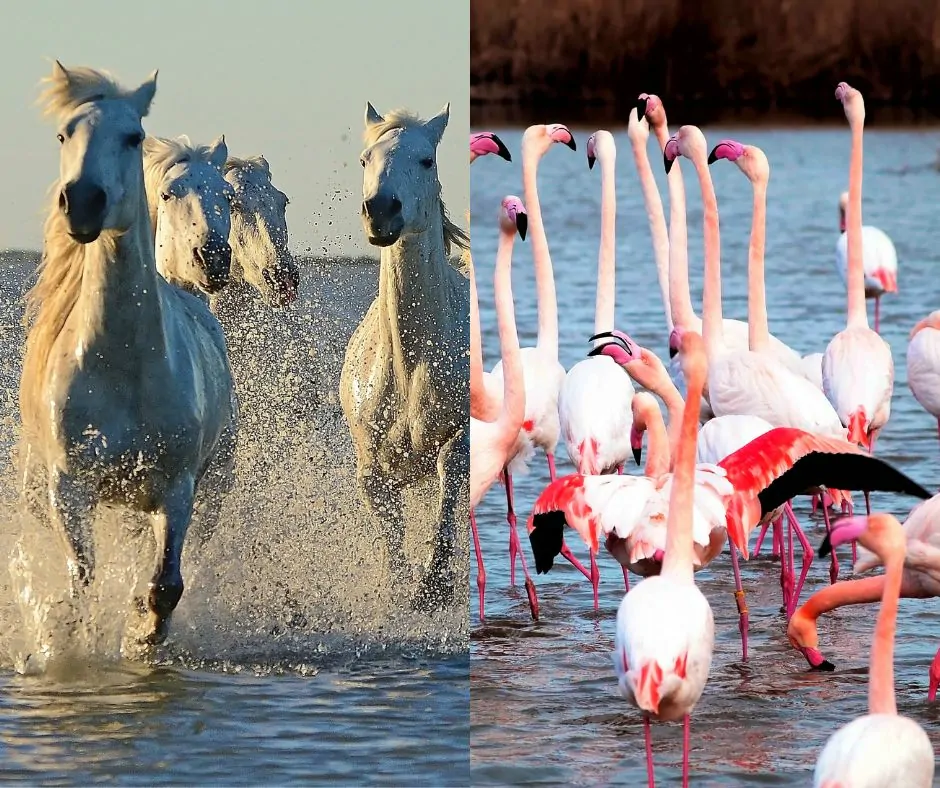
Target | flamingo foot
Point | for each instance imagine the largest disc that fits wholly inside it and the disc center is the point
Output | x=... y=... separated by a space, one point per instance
x=934 y=677
x=566 y=553
x=648 y=736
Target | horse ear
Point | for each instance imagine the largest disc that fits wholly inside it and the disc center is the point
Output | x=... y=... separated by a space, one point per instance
x=60 y=72
x=264 y=165
x=436 y=125
x=218 y=152
x=372 y=117
x=143 y=96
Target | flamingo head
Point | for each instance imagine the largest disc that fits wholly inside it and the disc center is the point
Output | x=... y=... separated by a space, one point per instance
x=804 y=637
x=731 y=150
x=485 y=142
x=650 y=106
x=675 y=341
x=644 y=410
x=543 y=136
x=638 y=127
x=512 y=216
x=852 y=102
x=600 y=144
x=688 y=141
x=749 y=158
x=621 y=348
x=880 y=533
x=636 y=443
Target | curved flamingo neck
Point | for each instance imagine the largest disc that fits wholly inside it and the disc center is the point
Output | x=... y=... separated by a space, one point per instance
x=544 y=276
x=881 y=698
x=857 y=313
x=606 y=256
x=677 y=562
x=712 y=329
x=480 y=406
x=757 y=330
x=657 y=221
x=658 y=457
x=680 y=297
x=513 y=412
x=845 y=592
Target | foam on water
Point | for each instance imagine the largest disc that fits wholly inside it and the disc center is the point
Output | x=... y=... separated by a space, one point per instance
x=294 y=576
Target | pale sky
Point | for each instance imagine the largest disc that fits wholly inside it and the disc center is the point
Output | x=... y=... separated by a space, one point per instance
x=285 y=78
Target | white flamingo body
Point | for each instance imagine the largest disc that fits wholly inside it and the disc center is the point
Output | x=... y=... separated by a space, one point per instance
x=725 y=435
x=488 y=457
x=594 y=406
x=812 y=369
x=858 y=372
x=879 y=261
x=923 y=367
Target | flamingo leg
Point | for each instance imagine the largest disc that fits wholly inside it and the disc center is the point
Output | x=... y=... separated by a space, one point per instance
x=790 y=563
x=815 y=504
x=620 y=469
x=481 y=572
x=807 y=560
x=777 y=544
x=786 y=584
x=551 y=465
x=743 y=616
x=513 y=536
x=760 y=538
x=567 y=554
x=648 y=736
x=834 y=565
x=626 y=578
x=934 y=677
x=595 y=579
x=686 y=725
x=877 y=314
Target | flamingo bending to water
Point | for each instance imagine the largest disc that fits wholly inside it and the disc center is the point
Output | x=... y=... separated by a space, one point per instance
x=857 y=368
x=492 y=442
x=881 y=749
x=923 y=364
x=880 y=260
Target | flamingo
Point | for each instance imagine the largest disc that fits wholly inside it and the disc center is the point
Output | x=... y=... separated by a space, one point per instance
x=880 y=260
x=484 y=142
x=857 y=368
x=920 y=580
x=923 y=364
x=492 y=442
x=543 y=373
x=678 y=294
x=594 y=402
x=881 y=749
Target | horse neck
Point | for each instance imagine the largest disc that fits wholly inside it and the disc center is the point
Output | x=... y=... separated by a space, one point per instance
x=415 y=291
x=542 y=260
x=758 y=332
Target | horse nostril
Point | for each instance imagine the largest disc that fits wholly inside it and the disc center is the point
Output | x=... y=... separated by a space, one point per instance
x=97 y=199
x=395 y=206
x=197 y=256
x=63 y=202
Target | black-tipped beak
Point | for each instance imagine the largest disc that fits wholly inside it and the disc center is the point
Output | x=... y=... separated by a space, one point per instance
x=591 y=160
x=668 y=163
x=602 y=335
x=522 y=224
x=825 y=666
x=825 y=548
x=638 y=455
x=641 y=107
x=712 y=158
x=502 y=151
x=571 y=143
x=599 y=349
x=673 y=352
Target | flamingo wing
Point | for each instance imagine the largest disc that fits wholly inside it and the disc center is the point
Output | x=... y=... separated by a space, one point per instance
x=782 y=463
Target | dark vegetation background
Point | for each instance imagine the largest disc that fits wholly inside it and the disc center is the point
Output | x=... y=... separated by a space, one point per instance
x=722 y=60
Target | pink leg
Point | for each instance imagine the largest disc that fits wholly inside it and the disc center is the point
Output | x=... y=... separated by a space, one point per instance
x=595 y=579
x=834 y=565
x=777 y=543
x=815 y=504
x=569 y=556
x=620 y=469
x=789 y=557
x=513 y=536
x=648 y=735
x=934 y=677
x=760 y=538
x=807 y=560
x=481 y=572
x=938 y=428
x=551 y=465
x=626 y=578
x=877 y=314
x=743 y=616
x=686 y=725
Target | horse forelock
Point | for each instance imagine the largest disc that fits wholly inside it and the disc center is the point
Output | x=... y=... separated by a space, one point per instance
x=63 y=95
x=161 y=155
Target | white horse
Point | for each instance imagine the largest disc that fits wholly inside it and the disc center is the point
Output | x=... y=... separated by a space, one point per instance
x=190 y=210
x=125 y=391
x=260 y=257
x=404 y=384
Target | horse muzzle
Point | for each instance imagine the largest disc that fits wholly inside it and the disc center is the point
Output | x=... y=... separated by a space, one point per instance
x=382 y=219
x=85 y=207
x=214 y=259
x=283 y=282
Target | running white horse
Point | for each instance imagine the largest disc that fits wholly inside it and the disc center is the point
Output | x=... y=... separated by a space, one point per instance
x=190 y=210
x=125 y=391
x=405 y=380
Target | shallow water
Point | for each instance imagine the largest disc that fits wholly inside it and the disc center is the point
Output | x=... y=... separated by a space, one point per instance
x=291 y=658
x=544 y=701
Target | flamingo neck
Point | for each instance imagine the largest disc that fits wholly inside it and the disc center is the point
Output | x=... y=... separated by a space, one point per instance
x=513 y=412
x=680 y=298
x=657 y=220
x=606 y=257
x=674 y=407
x=857 y=313
x=544 y=277
x=758 y=333
x=658 y=457
x=881 y=670
x=479 y=402
x=846 y=592
x=712 y=330
x=677 y=562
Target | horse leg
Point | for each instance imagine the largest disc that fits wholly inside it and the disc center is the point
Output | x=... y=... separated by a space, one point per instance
x=217 y=481
x=382 y=496
x=170 y=525
x=436 y=589
x=73 y=508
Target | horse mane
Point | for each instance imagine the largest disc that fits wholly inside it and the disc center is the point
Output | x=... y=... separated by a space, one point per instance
x=249 y=163
x=64 y=94
x=161 y=154
x=405 y=119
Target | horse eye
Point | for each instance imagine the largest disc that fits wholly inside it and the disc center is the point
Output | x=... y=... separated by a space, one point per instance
x=165 y=196
x=427 y=163
x=134 y=140
x=362 y=161
x=60 y=138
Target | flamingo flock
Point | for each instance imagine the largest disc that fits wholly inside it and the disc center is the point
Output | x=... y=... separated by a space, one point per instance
x=749 y=424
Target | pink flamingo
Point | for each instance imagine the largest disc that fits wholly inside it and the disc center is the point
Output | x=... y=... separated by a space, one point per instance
x=857 y=368
x=920 y=580
x=923 y=364
x=881 y=748
x=484 y=142
x=543 y=373
x=880 y=260
x=492 y=442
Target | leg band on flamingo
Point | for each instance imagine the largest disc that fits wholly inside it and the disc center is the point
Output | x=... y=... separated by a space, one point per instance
x=743 y=616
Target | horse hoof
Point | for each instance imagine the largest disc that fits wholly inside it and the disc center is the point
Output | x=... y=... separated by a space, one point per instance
x=435 y=593
x=164 y=597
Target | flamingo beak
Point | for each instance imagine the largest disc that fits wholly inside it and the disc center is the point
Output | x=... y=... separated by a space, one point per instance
x=501 y=150
x=638 y=454
x=668 y=163
x=712 y=158
x=641 y=107
x=522 y=224
x=591 y=160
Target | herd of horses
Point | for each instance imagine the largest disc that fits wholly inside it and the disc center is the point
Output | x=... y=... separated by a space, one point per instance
x=127 y=395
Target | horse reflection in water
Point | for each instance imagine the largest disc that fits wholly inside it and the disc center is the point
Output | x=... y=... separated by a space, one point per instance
x=126 y=393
